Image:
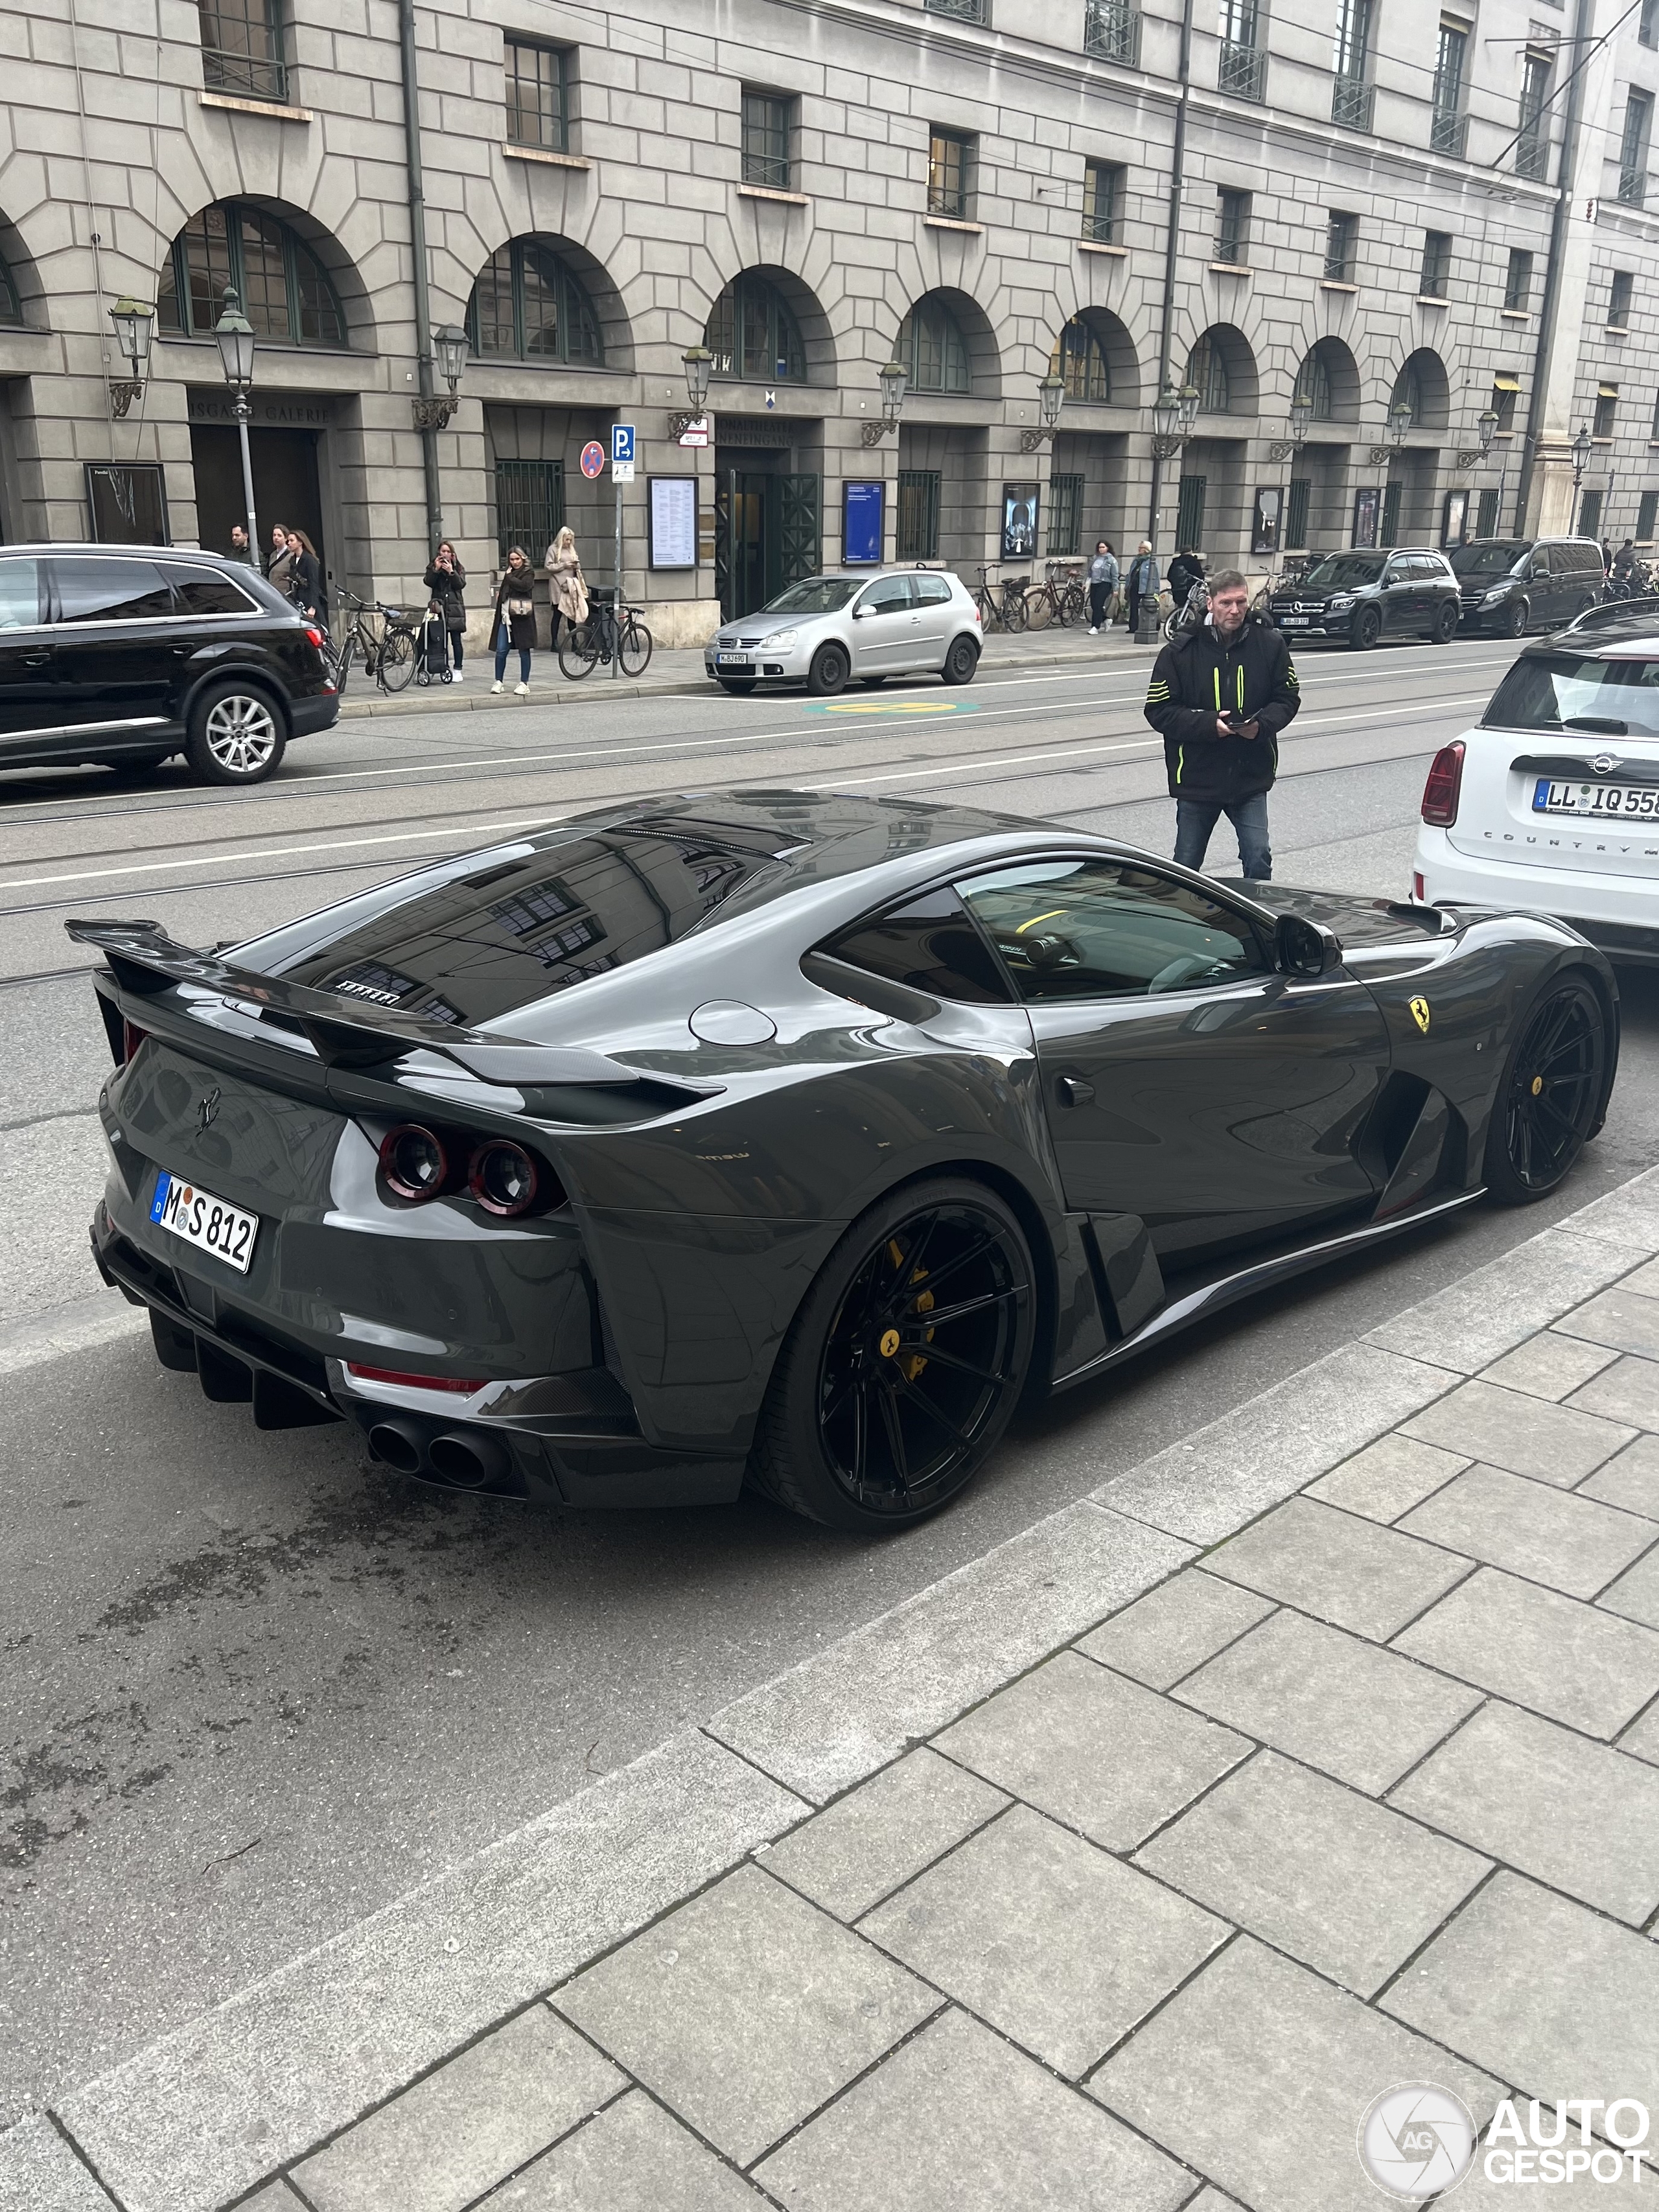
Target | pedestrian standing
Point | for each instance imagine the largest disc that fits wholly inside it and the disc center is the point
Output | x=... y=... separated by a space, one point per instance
x=282 y=560
x=445 y=579
x=240 y=548
x=1220 y=694
x=305 y=579
x=1142 y=584
x=1185 y=571
x=513 y=627
x=1102 y=582
x=566 y=585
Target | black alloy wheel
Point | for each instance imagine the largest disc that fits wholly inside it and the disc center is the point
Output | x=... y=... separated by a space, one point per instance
x=905 y=1363
x=960 y=661
x=829 y=670
x=1445 y=623
x=1550 y=1094
x=1515 y=618
x=1366 y=629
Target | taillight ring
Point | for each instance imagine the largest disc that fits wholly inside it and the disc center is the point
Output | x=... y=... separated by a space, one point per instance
x=399 y=1163
x=503 y=1178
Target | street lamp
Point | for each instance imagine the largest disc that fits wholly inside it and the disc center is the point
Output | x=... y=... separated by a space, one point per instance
x=1400 y=422
x=234 y=334
x=450 y=348
x=1583 y=445
x=698 y=362
x=1301 y=421
x=133 y=322
x=1051 y=397
x=892 y=381
x=1486 y=425
x=1166 y=423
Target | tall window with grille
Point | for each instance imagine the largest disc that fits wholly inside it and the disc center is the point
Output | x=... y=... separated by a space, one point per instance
x=1388 y=529
x=965 y=11
x=1065 y=514
x=1434 y=278
x=1647 y=514
x=917 y=519
x=537 y=96
x=1619 y=291
x=1232 y=228
x=1505 y=394
x=1189 y=514
x=1298 y=499
x=1607 y=411
x=1532 y=145
x=949 y=174
x=768 y=123
x=1341 y=247
x=1486 y=514
x=1589 y=514
x=1448 y=124
x=529 y=505
x=1111 y=30
x=1634 y=147
x=1241 y=68
x=1517 y=281
x=1102 y=203
x=242 y=48
x=1352 y=91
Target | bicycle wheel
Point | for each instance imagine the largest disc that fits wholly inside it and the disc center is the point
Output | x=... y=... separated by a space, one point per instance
x=990 y=615
x=340 y=665
x=397 y=660
x=1074 y=606
x=636 y=642
x=579 y=648
x=1039 y=608
x=1015 y=612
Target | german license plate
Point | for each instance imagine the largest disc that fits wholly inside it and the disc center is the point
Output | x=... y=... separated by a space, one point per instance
x=1293 y=622
x=1630 y=802
x=731 y=660
x=204 y=1221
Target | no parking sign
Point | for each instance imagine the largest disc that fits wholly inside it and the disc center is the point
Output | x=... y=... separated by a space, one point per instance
x=592 y=458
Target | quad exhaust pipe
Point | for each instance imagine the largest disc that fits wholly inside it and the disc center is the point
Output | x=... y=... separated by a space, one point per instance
x=458 y=1459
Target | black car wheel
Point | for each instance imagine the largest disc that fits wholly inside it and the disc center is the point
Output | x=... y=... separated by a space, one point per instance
x=235 y=735
x=960 y=661
x=738 y=686
x=1366 y=628
x=1445 y=623
x=1550 y=1094
x=1515 y=617
x=829 y=670
x=905 y=1362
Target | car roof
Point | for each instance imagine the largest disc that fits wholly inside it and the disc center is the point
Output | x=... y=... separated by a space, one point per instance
x=1607 y=631
x=132 y=552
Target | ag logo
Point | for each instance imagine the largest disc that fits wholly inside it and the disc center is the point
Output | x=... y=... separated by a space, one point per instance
x=1416 y=2140
x=207 y=1110
x=1420 y=1014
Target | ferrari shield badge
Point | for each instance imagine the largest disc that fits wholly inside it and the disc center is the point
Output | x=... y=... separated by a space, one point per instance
x=1420 y=1014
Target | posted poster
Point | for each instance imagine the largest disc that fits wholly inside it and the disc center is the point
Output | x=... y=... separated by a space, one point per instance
x=1454 y=524
x=1264 y=524
x=861 y=524
x=1365 y=516
x=1019 y=521
x=674 y=522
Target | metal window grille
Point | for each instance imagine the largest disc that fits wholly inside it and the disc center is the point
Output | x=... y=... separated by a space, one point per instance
x=529 y=505
x=1341 y=236
x=1295 y=512
x=1517 y=284
x=1607 y=411
x=1619 y=299
x=767 y=117
x=1532 y=147
x=1189 y=513
x=242 y=48
x=1232 y=226
x=1351 y=102
x=537 y=96
x=1633 y=148
x=1485 y=516
x=1647 y=514
x=1241 y=68
x=1589 y=515
x=1065 y=514
x=965 y=11
x=1435 y=279
x=1448 y=125
x=1388 y=533
x=917 y=532
x=1102 y=195
x=1111 y=31
x=1446 y=135
x=949 y=158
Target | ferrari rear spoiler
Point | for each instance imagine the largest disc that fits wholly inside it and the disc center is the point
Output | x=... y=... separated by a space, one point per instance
x=146 y=962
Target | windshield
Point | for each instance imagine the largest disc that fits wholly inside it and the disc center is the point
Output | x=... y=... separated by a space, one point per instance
x=1342 y=572
x=817 y=595
x=1568 y=691
x=1493 y=558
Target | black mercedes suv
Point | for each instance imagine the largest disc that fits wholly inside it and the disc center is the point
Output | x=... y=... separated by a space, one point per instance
x=125 y=655
x=1364 y=595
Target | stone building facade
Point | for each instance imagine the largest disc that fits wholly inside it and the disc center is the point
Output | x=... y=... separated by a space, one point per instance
x=1371 y=210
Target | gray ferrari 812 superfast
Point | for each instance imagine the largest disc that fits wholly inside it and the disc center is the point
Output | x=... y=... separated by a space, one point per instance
x=770 y=1137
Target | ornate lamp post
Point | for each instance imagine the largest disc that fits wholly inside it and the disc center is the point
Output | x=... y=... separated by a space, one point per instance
x=892 y=380
x=234 y=334
x=1300 y=421
x=1051 y=397
x=1399 y=422
x=1174 y=413
x=698 y=362
x=450 y=348
x=133 y=324
x=1582 y=446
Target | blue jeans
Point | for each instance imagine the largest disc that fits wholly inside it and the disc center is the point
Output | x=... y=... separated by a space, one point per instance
x=502 y=648
x=1195 y=819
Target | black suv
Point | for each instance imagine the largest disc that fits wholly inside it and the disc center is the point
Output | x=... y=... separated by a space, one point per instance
x=1512 y=585
x=1362 y=596
x=123 y=655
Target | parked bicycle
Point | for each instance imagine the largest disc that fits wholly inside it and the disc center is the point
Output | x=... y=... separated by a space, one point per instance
x=1295 y=568
x=1004 y=608
x=1060 y=597
x=583 y=646
x=388 y=655
x=1190 y=614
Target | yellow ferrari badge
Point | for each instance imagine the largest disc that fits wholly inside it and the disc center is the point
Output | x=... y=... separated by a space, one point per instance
x=1420 y=1014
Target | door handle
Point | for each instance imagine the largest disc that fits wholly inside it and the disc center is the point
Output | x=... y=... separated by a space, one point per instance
x=36 y=659
x=1072 y=1091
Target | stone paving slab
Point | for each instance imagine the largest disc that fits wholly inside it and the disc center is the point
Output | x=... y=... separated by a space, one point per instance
x=1557 y=1537
x=869 y=1843
x=1489 y=1311
x=39 y=2173
x=1388 y=1478
x=1626 y=1320
x=1627 y=1391
x=632 y=2157
x=1641 y=1739
x=1636 y=1595
x=1504 y=1429
x=1630 y=1480
x=1340 y=1568
x=1175 y=1627
x=1549 y=1366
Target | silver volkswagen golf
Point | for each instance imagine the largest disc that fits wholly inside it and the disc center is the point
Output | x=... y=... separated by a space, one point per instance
x=827 y=631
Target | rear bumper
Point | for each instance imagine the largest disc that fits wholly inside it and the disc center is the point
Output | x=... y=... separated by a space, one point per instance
x=1619 y=914
x=570 y=1439
x=320 y=711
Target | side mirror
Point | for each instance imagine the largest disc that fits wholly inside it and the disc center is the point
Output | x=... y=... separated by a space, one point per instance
x=1304 y=948
x=859 y=613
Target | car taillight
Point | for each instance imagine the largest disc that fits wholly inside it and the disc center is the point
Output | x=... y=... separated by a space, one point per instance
x=315 y=635
x=1444 y=785
x=414 y=1162
x=131 y=1037
x=503 y=1178
x=461 y=1386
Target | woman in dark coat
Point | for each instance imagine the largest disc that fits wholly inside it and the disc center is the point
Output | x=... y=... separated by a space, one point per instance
x=514 y=624
x=445 y=579
x=305 y=579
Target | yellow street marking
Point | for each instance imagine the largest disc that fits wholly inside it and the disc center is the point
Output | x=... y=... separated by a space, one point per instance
x=893 y=706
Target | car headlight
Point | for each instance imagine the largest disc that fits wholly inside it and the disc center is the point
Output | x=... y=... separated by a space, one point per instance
x=1340 y=605
x=1494 y=595
x=781 y=640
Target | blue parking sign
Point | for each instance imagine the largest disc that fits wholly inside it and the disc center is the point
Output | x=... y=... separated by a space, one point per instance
x=622 y=443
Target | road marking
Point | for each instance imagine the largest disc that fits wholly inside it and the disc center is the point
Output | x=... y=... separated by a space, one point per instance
x=893 y=706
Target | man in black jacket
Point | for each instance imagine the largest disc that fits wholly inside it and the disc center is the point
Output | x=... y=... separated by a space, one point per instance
x=1219 y=696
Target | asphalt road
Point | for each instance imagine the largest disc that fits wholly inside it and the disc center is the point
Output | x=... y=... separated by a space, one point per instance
x=255 y=1688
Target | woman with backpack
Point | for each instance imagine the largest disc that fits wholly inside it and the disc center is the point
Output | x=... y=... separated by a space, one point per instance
x=445 y=579
x=566 y=585
x=513 y=627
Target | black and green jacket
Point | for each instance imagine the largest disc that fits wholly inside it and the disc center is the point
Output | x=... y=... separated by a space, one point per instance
x=1197 y=677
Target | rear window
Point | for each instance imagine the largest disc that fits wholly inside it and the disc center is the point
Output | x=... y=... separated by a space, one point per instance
x=483 y=944
x=1342 y=572
x=932 y=944
x=208 y=591
x=1570 y=690
x=95 y=589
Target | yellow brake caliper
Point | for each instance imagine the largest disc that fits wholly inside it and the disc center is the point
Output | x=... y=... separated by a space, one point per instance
x=914 y=1363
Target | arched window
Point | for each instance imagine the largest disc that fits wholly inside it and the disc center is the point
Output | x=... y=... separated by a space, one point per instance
x=286 y=292
x=11 y=307
x=1312 y=385
x=1080 y=363
x=752 y=334
x=1206 y=371
x=527 y=306
x=933 y=348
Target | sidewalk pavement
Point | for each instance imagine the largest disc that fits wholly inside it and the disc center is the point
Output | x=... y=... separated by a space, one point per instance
x=1117 y=1872
x=682 y=670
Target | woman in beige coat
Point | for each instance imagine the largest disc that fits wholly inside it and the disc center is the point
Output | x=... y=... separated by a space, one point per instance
x=566 y=585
